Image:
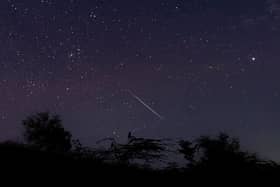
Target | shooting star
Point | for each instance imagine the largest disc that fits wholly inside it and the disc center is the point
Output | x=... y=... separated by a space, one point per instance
x=146 y=105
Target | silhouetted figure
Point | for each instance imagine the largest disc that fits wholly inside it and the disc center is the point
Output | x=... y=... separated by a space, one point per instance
x=129 y=135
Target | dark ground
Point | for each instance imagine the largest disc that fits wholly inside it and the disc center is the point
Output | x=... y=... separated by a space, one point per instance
x=18 y=161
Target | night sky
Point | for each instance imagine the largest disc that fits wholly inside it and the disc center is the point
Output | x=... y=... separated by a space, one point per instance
x=204 y=66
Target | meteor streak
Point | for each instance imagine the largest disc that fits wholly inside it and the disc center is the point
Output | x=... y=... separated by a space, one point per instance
x=146 y=105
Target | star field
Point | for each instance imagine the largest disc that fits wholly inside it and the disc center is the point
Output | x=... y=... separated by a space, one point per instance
x=205 y=66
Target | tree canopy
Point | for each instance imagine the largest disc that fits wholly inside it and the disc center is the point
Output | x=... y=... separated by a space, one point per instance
x=46 y=132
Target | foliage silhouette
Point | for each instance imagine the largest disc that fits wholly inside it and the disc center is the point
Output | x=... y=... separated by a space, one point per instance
x=188 y=150
x=220 y=154
x=50 y=146
x=135 y=149
x=46 y=132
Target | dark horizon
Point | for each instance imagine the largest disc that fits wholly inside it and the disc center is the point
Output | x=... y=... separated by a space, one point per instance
x=194 y=67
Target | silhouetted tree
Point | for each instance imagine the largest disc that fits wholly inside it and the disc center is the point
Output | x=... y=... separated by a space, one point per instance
x=135 y=149
x=218 y=153
x=188 y=149
x=47 y=133
x=224 y=151
x=142 y=149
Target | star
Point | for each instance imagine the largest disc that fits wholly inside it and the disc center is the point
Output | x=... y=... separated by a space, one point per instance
x=253 y=59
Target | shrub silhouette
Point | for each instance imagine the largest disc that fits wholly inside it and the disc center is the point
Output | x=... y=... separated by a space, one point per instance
x=46 y=132
x=143 y=149
x=213 y=157
x=218 y=153
x=188 y=150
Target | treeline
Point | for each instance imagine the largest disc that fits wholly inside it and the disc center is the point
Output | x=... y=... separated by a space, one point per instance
x=48 y=144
